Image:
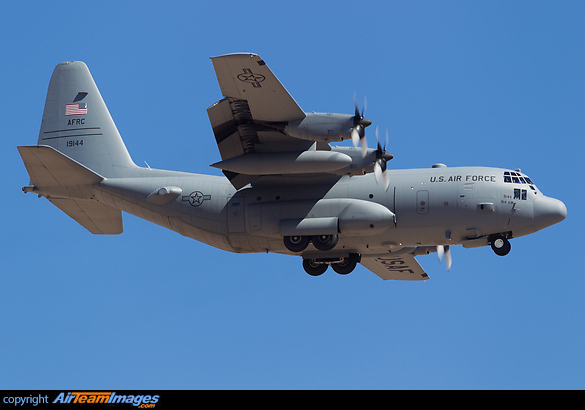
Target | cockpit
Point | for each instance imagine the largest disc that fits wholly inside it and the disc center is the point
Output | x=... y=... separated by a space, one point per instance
x=515 y=177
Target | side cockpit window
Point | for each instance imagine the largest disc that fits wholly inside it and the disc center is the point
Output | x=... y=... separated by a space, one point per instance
x=520 y=194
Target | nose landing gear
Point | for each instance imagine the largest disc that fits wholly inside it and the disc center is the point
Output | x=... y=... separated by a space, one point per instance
x=500 y=245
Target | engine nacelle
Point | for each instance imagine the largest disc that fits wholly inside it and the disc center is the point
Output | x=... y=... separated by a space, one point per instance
x=325 y=127
x=286 y=163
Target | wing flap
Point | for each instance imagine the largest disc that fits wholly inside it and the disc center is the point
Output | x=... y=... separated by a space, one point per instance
x=227 y=130
x=237 y=132
x=394 y=267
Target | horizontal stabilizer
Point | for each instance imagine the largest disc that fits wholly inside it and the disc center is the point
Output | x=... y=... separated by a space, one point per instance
x=59 y=177
x=48 y=167
x=94 y=216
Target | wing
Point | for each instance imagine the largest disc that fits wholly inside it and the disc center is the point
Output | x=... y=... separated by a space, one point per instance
x=397 y=267
x=251 y=117
x=247 y=77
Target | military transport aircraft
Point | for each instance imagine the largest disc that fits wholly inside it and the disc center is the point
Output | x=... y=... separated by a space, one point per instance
x=286 y=189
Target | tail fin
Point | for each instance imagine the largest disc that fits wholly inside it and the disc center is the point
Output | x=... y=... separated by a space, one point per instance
x=77 y=123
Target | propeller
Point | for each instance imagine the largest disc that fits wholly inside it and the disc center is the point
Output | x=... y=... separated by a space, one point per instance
x=443 y=251
x=358 y=131
x=382 y=157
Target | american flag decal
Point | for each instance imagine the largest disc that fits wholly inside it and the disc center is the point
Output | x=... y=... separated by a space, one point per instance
x=76 y=109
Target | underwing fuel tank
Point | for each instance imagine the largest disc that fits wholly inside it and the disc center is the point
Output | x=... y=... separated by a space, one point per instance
x=285 y=163
x=347 y=217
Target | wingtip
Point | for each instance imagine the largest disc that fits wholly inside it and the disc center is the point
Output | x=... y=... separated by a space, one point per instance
x=236 y=55
x=72 y=63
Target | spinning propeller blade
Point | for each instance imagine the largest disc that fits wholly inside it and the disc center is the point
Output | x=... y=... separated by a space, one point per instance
x=358 y=131
x=443 y=251
x=382 y=157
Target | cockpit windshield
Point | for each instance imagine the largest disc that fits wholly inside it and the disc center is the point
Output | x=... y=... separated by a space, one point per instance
x=515 y=177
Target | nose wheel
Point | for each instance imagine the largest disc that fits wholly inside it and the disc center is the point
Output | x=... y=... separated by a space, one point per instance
x=501 y=245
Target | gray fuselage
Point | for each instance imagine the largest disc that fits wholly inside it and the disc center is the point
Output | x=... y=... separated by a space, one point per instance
x=434 y=206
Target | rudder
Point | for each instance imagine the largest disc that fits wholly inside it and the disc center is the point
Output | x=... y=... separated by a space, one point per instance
x=77 y=122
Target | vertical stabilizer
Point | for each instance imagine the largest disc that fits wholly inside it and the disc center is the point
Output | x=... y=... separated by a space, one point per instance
x=77 y=123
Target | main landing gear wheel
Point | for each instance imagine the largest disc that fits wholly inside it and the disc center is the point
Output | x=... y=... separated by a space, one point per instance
x=324 y=242
x=313 y=268
x=342 y=266
x=500 y=245
x=347 y=265
x=296 y=243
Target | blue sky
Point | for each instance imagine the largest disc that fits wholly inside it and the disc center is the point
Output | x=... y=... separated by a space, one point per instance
x=495 y=83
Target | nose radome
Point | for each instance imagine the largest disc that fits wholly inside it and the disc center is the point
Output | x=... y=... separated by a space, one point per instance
x=562 y=210
x=548 y=211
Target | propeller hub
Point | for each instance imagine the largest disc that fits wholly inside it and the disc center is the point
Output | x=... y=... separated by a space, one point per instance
x=365 y=122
